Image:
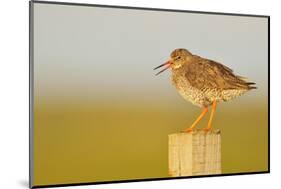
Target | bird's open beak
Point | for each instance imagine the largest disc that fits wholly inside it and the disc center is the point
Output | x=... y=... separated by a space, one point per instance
x=168 y=63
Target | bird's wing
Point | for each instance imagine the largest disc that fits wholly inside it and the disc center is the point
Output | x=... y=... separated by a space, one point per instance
x=208 y=74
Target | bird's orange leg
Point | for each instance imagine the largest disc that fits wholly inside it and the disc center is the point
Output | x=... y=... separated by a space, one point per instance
x=211 y=117
x=205 y=110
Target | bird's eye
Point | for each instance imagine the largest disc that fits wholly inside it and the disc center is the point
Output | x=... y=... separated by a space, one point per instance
x=178 y=58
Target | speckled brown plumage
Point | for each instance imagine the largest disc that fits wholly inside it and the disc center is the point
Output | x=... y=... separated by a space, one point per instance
x=204 y=82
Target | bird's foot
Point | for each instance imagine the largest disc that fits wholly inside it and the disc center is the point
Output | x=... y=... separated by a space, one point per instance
x=207 y=129
x=188 y=130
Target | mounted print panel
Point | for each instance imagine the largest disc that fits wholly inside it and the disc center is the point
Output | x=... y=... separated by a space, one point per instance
x=124 y=94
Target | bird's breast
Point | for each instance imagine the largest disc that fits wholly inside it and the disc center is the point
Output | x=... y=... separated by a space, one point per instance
x=189 y=93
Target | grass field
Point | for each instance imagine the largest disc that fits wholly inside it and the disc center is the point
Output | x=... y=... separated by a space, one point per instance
x=76 y=141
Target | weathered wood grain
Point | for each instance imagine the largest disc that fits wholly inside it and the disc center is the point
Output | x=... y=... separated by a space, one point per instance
x=195 y=153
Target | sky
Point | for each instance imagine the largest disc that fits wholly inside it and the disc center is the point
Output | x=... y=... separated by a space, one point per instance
x=104 y=52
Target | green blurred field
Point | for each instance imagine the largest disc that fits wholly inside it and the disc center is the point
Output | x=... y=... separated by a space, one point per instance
x=77 y=141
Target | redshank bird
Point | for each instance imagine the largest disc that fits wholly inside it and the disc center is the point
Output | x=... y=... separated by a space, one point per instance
x=204 y=82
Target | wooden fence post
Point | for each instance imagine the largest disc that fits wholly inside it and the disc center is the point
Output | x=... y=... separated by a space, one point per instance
x=195 y=153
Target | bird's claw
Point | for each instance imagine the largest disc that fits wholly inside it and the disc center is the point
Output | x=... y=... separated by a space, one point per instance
x=207 y=129
x=188 y=130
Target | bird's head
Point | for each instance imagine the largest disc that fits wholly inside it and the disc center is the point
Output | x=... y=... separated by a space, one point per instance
x=178 y=58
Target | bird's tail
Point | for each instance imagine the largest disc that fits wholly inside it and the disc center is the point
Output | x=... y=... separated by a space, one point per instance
x=250 y=85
